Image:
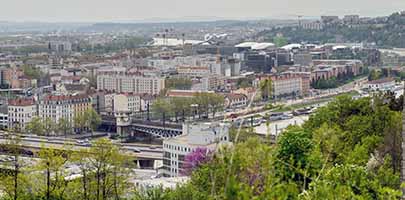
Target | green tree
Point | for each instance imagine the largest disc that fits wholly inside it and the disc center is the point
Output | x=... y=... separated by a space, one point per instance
x=109 y=167
x=163 y=107
x=375 y=75
x=180 y=105
x=266 y=88
x=83 y=189
x=80 y=122
x=216 y=102
x=64 y=126
x=293 y=147
x=49 y=126
x=52 y=162
x=280 y=41
x=208 y=102
x=202 y=101
x=93 y=119
x=35 y=126
x=178 y=83
x=32 y=72
x=13 y=184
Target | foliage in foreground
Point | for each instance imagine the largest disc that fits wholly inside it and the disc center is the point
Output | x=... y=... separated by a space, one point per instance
x=346 y=150
x=104 y=174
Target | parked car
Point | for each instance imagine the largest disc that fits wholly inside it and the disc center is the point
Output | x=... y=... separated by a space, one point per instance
x=276 y=116
x=302 y=111
x=136 y=150
x=279 y=116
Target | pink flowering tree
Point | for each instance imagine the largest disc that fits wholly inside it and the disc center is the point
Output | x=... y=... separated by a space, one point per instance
x=195 y=159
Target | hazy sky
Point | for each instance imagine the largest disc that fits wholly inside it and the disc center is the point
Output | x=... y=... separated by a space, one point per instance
x=117 y=10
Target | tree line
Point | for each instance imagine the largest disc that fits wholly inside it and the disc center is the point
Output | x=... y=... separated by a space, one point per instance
x=200 y=105
x=89 y=120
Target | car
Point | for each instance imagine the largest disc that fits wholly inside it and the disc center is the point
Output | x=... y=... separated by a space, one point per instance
x=136 y=150
x=302 y=111
x=87 y=144
x=286 y=116
x=276 y=116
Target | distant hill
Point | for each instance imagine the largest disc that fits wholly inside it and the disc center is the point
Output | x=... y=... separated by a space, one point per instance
x=19 y=27
x=383 y=31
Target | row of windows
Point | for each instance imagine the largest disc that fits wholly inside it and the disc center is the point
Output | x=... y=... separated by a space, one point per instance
x=178 y=148
x=13 y=115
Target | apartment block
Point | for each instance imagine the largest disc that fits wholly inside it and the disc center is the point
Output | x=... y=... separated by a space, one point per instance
x=67 y=107
x=127 y=83
x=20 y=113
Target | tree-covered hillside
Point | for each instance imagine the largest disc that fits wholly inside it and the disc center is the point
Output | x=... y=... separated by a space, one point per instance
x=384 y=33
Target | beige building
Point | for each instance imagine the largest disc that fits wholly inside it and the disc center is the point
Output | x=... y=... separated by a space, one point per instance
x=67 y=107
x=193 y=72
x=213 y=82
x=283 y=86
x=130 y=83
x=289 y=84
x=126 y=102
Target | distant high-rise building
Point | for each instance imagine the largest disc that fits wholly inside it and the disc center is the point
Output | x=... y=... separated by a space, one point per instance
x=260 y=62
x=328 y=20
x=60 y=46
x=351 y=19
x=317 y=25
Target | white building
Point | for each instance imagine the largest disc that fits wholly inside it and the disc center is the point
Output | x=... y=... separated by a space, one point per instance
x=162 y=64
x=317 y=25
x=226 y=67
x=3 y=120
x=195 y=135
x=130 y=83
x=126 y=102
x=381 y=84
x=234 y=100
x=20 y=113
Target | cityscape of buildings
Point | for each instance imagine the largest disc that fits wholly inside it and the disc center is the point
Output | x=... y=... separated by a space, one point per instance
x=161 y=94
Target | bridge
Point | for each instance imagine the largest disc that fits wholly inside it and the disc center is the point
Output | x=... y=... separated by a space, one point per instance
x=154 y=128
x=158 y=129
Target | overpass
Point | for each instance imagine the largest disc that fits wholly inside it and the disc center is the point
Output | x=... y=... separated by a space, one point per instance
x=144 y=155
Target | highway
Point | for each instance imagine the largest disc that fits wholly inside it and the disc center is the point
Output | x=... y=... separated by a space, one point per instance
x=139 y=151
